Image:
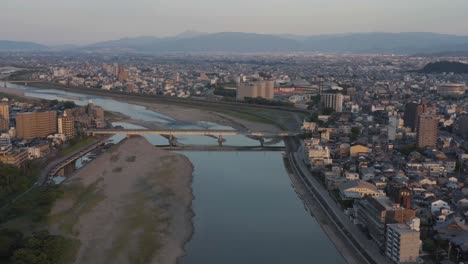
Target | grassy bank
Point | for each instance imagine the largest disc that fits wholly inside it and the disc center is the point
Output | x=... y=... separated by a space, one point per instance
x=76 y=144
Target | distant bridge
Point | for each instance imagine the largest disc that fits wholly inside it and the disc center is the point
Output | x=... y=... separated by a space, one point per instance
x=20 y=82
x=216 y=133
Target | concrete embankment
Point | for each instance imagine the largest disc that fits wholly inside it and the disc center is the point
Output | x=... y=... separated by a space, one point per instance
x=349 y=241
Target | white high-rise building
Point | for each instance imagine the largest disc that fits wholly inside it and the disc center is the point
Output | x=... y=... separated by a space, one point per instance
x=392 y=126
x=333 y=101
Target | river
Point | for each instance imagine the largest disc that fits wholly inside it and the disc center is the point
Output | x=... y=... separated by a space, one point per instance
x=246 y=210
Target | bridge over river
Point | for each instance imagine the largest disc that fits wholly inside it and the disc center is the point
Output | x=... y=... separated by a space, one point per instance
x=170 y=133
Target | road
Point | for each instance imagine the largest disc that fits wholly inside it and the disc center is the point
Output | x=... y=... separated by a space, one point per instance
x=355 y=239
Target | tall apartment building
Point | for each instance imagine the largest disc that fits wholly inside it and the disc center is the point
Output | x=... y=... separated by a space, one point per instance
x=402 y=243
x=36 y=124
x=115 y=69
x=263 y=89
x=392 y=126
x=412 y=112
x=376 y=212
x=427 y=130
x=66 y=126
x=333 y=101
x=4 y=116
x=122 y=74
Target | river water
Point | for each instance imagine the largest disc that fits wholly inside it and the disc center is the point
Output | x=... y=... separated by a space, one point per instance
x=246 y=209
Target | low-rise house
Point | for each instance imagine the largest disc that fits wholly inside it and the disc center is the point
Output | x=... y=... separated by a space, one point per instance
x=357 y=150
x=438 y=205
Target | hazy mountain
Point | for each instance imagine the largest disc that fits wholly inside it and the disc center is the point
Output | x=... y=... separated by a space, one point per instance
x=128 y=44
x=189 y=34
x=398 y=43
x=7 y=45
x=445 y=66
x=192 y=41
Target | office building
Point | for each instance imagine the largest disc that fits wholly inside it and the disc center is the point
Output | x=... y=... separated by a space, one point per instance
x=262 y=89
x=451 y=89
x=333 y=101
x=427 y=130
x=4 y=116
x=66 y=126
x=374 y=213
x=36 y=124
x=403 y=242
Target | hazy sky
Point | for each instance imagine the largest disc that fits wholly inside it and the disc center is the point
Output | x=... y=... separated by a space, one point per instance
x=86 y=21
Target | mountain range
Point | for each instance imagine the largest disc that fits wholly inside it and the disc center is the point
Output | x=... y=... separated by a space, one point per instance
x=192 y=41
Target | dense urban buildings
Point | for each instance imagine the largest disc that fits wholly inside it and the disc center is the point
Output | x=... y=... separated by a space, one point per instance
x=36 y=124
x=386 y=141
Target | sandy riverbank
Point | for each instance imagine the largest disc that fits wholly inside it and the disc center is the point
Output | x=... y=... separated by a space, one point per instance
x=130 y=205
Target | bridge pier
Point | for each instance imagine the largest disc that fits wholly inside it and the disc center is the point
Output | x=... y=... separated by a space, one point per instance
x=262 y=141
x=172 y=141
x=220 y=140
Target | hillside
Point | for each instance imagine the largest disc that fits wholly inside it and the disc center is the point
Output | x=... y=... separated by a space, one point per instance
x=7 y=45
x=386 y=43
x=239 y=42
x=445 y=66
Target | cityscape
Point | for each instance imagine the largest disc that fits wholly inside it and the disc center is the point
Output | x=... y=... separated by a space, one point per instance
x=235 y=147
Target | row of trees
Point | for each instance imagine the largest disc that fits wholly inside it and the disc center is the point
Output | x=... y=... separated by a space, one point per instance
x=14 y=180
x=40 y=248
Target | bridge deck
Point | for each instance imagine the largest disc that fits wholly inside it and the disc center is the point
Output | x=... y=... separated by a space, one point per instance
x=191 y=132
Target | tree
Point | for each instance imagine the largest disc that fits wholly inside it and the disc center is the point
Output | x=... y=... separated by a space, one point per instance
x=69 y=104
x=355 y=132
x=9 y=241
x=29 y=256
x=53 y=103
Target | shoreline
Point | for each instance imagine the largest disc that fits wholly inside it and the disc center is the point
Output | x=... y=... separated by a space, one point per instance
x=317 y=213
x=191 y=214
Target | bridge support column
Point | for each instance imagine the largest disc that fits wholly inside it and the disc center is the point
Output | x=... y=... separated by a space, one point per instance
x=220 y=140
x=172 y=141
x=262 y=141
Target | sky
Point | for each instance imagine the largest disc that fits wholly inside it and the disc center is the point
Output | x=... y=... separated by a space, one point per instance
x=57 y=22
